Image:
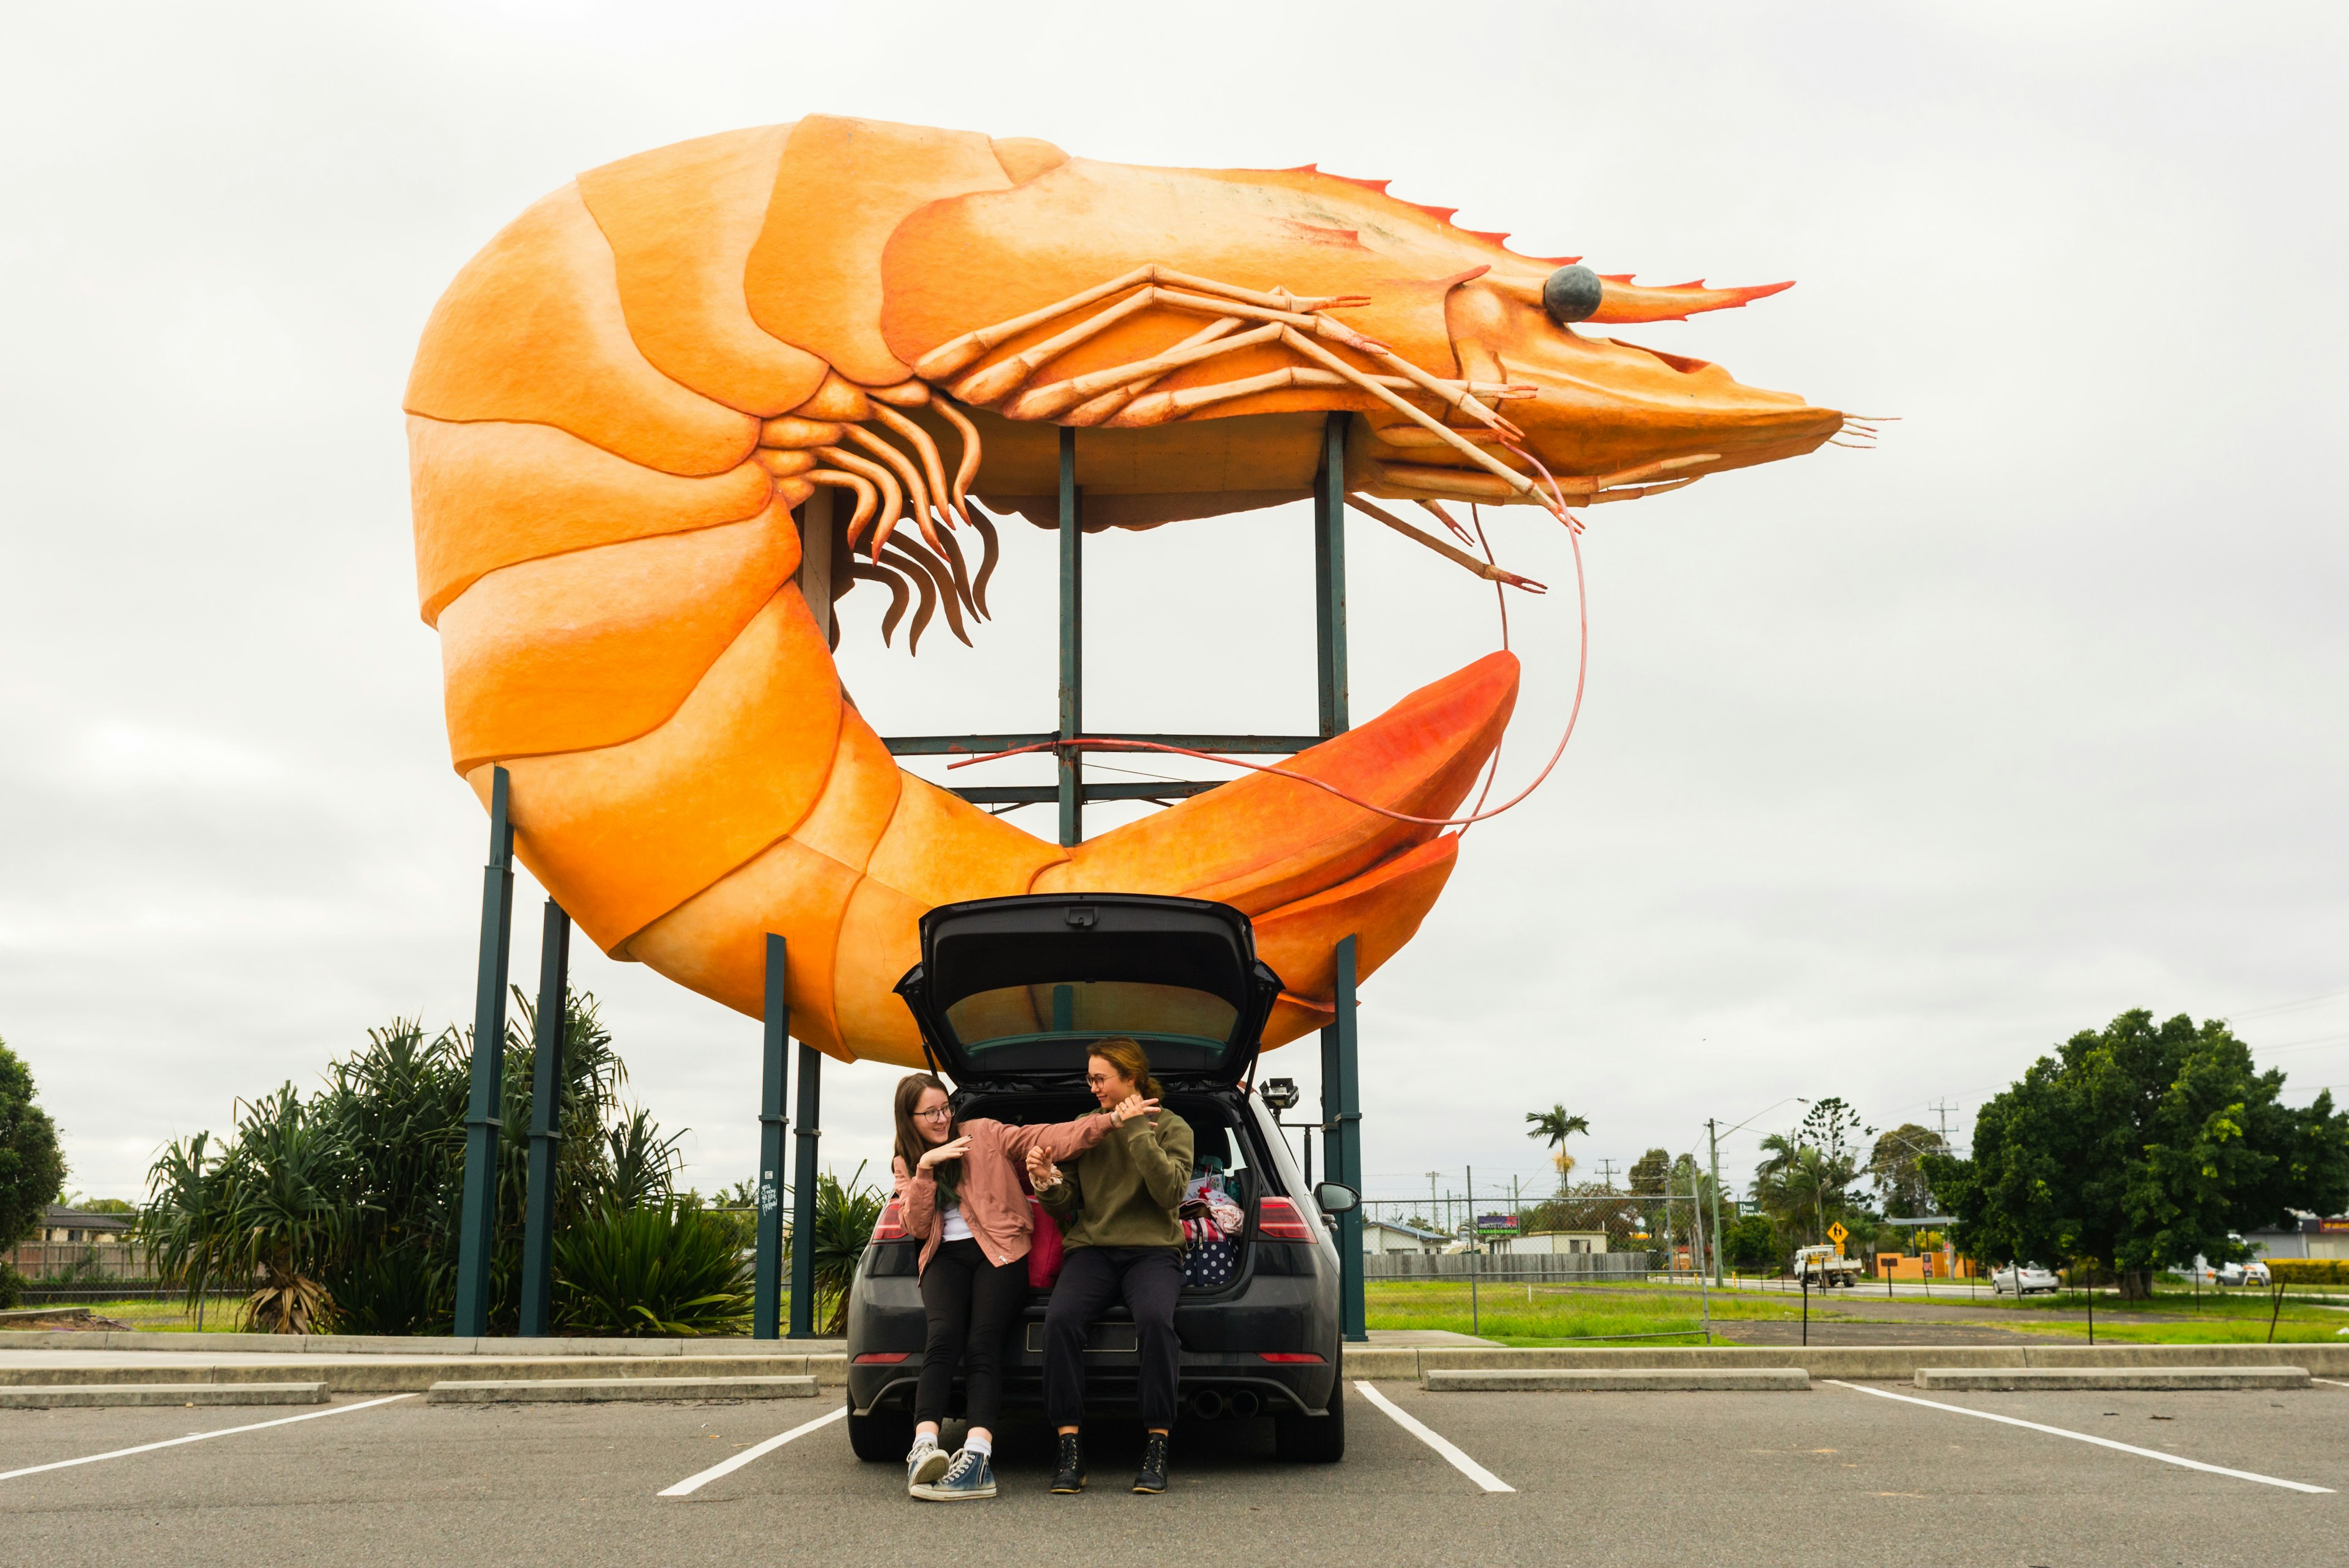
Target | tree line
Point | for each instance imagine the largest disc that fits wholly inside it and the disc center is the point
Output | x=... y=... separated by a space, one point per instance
x=2131 y=1149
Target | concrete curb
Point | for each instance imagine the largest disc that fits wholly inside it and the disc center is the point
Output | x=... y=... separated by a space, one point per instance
x=417 y=1375
x=1866 y=1363
x=603 y=1390
x=1622 y=1380
x=2018 y=1379
x=69 y=1396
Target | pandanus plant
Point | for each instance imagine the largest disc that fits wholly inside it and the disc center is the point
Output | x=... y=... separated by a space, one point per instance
x=264 y=1211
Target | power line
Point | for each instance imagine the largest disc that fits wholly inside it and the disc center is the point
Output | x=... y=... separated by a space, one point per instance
x=2281 y=1007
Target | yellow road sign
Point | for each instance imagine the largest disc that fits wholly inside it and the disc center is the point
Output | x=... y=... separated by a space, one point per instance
x=1835 y=1233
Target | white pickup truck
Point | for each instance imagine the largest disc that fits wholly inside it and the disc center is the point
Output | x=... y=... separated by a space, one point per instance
x=1823 y=1268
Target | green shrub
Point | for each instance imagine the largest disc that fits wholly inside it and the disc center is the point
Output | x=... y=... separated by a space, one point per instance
x=1750 y=1242
x=846 y=1214
x=2309 y=1271
x=669 y=1268
x=12 y=1285
x=343 y=1206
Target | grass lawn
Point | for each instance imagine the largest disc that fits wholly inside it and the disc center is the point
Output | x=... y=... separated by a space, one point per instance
x=1634 y=1312
x=1566 y=1315
x=149 y=1315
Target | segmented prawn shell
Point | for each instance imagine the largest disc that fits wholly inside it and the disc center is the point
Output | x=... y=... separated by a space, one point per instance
x=626 y=409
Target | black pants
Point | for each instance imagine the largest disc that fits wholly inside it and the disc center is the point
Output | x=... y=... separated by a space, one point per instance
x=1149 y=1278
x=970 y=1303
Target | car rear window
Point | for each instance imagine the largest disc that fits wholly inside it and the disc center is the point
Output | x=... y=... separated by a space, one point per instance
x=1027 y=1014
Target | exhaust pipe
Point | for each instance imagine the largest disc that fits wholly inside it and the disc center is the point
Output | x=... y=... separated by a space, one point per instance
x=1244 y=1405
x=1208 y=1405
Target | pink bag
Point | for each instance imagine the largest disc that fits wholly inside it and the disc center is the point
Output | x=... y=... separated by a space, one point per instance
x=1044 y=1250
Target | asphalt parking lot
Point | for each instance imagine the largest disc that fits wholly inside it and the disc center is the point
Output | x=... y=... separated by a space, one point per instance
x=1610 y=1479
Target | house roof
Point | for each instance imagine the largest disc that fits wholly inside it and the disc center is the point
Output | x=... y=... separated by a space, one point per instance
x=83 y=1219
x=1411 y=1230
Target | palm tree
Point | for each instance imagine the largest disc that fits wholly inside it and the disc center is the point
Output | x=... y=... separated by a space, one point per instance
x=1793 y=1183
x=1556 y=1126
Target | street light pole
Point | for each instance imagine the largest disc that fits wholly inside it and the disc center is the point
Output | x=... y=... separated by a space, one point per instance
x=1713 y=1142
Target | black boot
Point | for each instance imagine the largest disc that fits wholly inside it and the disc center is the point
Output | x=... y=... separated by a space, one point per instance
x=1152 y=1478
x=1069 y=1472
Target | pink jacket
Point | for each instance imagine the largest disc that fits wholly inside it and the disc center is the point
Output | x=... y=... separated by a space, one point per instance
x=994 y=1204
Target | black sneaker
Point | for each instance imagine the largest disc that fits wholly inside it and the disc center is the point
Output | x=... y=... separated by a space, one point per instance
x=1069 y=1472
x=1152 y=1478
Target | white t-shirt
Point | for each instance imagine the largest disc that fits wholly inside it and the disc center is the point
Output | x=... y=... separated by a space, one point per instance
x=954 y=1228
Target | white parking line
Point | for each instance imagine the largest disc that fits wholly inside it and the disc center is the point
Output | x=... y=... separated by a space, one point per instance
x=1437 y=1440
x=2086 y=1438
x=2330 y=1382
x=200 y=1437
x=692 y=1484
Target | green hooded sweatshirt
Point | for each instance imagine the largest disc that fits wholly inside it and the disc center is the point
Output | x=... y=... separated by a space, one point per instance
x=1123 y=1192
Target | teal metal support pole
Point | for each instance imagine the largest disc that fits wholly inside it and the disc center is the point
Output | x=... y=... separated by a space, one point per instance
x=774 y=1082
x=804 y=1196
x=545 y=1122
x=478 y=1213
x=1072 y=642
x=1341 y=1110
x=1330 y=577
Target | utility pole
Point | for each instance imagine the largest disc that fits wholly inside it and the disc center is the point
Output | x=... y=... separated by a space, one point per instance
x=1942 y=1110
x=1607 y=1174
x=1433 y=1217
x=1713 y=1142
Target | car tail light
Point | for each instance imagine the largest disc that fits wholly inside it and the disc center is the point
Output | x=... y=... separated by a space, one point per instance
x=1277 y=1219
x=890 y=1357
x=891 y=1226
x=1287 y=1357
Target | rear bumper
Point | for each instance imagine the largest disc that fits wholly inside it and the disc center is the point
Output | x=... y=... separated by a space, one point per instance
x=1223 y=1341
x=1113 y=1391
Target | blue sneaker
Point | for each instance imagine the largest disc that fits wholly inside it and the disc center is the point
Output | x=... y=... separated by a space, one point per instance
x=967 y=1479
x=924 y=1463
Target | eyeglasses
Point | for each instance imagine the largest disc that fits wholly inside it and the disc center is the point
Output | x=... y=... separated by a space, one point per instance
x=941 y=1113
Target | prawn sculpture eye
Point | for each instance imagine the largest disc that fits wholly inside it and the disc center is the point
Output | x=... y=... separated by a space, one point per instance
x=631 y=415
x=1572 y=294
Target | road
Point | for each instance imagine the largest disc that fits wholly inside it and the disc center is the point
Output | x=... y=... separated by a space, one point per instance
x=1629 y=1480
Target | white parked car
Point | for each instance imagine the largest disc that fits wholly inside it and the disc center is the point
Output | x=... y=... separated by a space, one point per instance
x=2022 y=1278
x=2218 y=1275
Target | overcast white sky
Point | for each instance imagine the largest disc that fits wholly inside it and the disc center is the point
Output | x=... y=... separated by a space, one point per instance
x=1896 y=767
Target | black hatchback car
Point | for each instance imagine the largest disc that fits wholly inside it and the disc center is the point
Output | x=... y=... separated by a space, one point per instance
x=1009 y=994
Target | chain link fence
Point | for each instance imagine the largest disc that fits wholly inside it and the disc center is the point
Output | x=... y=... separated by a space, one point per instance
x=1596 y=1267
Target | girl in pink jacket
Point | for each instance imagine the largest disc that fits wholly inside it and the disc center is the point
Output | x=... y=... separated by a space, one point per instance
x=958 y=1189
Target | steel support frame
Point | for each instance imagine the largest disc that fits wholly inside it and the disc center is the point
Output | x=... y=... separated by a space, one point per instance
x=477 y=1213
x=803 y=1195
x=1341 y=1115
x=1341 y=1095
x=546 y=1121
x=1070 y=788
x=774 y=1083
x=1330 y=577
x=478 y=1209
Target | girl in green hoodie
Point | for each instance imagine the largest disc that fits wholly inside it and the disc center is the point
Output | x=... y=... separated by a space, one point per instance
x=1116 y=1205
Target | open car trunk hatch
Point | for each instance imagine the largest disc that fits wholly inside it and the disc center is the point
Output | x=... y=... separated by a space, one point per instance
x=1015 y=991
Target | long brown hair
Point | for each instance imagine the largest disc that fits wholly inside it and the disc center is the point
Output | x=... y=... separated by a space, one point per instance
x=911 y=1143
x=1127 y=1056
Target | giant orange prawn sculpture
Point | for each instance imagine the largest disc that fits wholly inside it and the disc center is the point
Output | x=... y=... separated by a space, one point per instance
x=620 y=402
